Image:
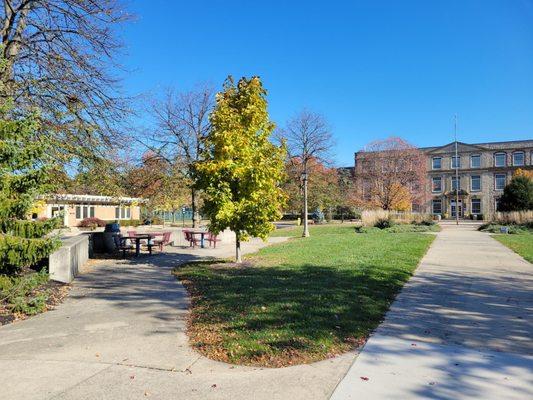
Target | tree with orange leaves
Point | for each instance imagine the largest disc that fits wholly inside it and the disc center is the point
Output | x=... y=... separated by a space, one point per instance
x=323 y=184
x=159 y=181
x=528 y=173
x=390 y=174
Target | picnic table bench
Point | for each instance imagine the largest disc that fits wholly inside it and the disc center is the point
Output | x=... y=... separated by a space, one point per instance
x=190 y=236
x=146 y=239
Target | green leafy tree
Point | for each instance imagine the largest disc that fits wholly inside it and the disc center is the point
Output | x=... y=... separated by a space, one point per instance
x=517 y=195
x=23 y=175
x=241 y=169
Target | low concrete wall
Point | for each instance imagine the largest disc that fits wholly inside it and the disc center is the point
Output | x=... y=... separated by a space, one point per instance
x=63 y=264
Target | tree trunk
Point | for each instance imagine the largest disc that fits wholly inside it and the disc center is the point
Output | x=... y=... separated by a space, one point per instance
x=195 y=222
x=238 y=253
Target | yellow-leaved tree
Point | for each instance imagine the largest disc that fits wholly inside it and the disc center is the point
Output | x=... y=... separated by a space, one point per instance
x=400 y=198
x=240 y=170
x=524 y=172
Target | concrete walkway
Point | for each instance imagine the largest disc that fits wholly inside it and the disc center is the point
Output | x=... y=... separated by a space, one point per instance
x=121 y=335
x=462 y=328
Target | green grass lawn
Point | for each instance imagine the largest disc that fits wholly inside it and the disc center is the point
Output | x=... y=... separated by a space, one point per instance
x=299 y=301
x=296 y=231
x=521 y=243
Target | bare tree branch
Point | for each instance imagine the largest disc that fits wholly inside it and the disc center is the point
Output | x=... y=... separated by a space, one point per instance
x=308 y=136
x=59 y=55
x=388 y=168
x=182 y=124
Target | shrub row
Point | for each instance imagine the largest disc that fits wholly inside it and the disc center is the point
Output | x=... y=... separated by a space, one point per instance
x=29 y=229
x=17 y=253
x=97 y=222
x=371 y=217
x=389 y=225
x=403 y=228
x=512 y=217
x=91 y=223
x=512 y=228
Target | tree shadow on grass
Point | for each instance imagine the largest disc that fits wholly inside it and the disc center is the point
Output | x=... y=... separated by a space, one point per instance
x=314 y=309
x=323 y=310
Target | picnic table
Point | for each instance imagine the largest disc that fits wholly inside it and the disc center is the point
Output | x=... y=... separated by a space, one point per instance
x=165 y=238
x=137 y=239
x=199 y=232
x=148 y=236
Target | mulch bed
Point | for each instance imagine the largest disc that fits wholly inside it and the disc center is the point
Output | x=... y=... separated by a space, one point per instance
x=57 y=292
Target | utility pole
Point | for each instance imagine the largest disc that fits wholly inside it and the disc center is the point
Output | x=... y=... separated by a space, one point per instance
x=306 y=224
x=456 y=174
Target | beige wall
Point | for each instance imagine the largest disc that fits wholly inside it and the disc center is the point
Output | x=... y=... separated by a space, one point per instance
x=104 y=212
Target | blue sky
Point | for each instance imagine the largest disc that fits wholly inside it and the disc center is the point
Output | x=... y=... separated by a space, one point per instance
x=373 y=68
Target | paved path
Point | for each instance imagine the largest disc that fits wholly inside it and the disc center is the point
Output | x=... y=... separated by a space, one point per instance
x=121 y=335
x=462 y=328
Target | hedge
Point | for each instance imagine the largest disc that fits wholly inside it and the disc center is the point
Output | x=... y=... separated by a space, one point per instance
x=29 y=229
x=17 y=252
x=125 y=222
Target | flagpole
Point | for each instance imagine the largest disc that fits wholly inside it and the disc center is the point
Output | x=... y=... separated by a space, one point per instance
x=456 y=173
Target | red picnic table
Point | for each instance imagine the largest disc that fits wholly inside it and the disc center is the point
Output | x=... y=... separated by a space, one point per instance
x=199 y=232
x=148 y=236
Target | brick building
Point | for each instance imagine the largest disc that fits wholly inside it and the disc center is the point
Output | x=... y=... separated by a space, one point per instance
x=484 y=170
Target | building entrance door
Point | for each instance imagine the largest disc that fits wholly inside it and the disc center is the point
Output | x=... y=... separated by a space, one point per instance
x=454 y=208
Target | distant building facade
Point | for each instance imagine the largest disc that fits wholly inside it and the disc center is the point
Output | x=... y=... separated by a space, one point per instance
x=484 y=170
x=75 y=208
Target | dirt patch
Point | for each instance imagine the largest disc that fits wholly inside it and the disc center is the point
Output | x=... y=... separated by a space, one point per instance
x=231 y=265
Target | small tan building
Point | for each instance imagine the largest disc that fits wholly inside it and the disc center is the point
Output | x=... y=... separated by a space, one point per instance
x=77 y=207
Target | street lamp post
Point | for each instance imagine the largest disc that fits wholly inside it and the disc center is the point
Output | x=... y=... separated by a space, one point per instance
x=306 y=225
x=456 y=175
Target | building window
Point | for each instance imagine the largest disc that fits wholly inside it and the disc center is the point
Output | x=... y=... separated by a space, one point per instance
x=437 y=206
x=518 y=158
x=454 y=183
x=436 y=184
x=84 y=211
x=456 y=162
x=122 y=213
x=499 y=160
x=475 y=183
x=56 y=211
x=436 y=163
x=476 y=206
x=475 y=161
x=499 y=181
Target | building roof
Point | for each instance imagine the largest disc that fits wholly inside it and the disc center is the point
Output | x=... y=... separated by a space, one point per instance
x=89 y=198
x=512 y=144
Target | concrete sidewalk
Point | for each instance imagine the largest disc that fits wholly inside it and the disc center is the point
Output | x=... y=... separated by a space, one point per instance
x=121 y=335
x=461 y=328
